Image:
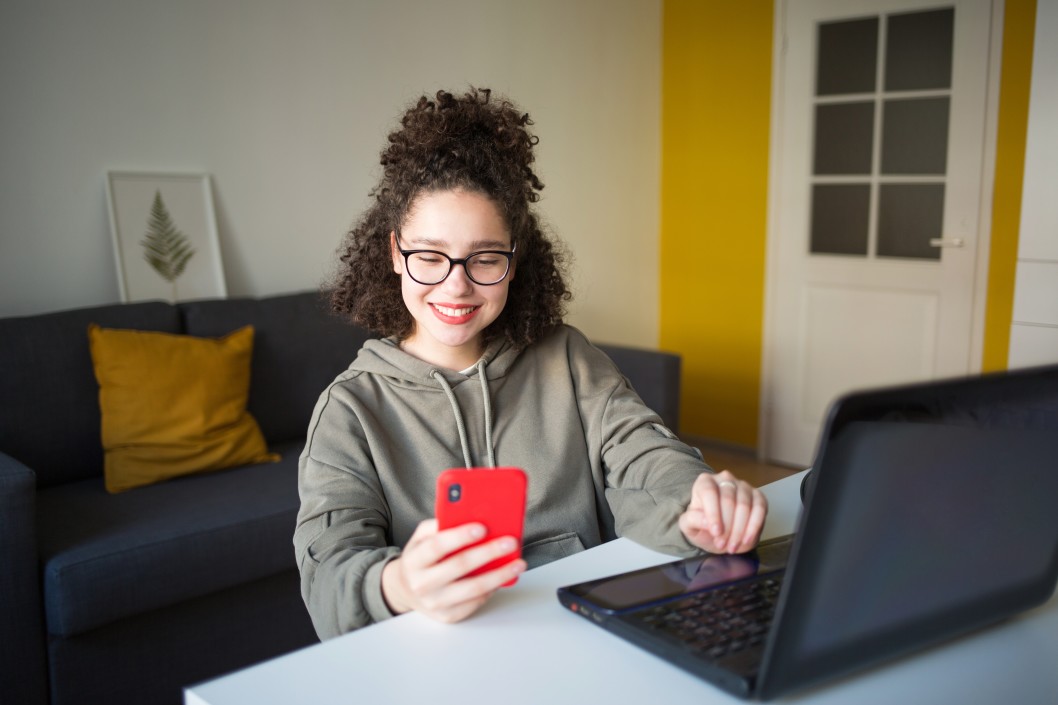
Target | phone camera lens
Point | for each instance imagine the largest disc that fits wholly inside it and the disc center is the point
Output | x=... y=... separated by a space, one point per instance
x=454 y=493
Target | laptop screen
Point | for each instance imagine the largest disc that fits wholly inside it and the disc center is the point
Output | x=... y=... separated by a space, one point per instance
x=933 y=512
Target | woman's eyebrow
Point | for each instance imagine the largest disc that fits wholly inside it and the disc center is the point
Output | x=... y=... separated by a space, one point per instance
x=489 y=245
x=474 y=246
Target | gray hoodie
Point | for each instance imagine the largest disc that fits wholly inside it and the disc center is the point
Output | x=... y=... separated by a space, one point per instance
x=599 y=462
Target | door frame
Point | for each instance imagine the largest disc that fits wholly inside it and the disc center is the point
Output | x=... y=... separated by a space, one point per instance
x=985 y=190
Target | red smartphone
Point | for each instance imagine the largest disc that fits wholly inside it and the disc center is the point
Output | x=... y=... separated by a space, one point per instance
x=494 y=497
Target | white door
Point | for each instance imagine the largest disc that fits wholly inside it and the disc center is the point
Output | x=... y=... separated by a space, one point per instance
x=877 y=181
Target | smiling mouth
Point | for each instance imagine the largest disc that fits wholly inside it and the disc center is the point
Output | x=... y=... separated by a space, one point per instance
x=455 y=312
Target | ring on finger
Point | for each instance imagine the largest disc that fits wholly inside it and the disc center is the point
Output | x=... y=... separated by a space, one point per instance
x=727 y=483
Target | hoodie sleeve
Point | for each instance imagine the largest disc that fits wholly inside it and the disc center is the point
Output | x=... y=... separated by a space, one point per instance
x=648 y=471
x=340 y=541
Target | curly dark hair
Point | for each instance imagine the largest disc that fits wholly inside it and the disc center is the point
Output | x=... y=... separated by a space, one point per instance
x=474 y=143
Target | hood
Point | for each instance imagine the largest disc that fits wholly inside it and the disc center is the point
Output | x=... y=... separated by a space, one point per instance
x=384 y=358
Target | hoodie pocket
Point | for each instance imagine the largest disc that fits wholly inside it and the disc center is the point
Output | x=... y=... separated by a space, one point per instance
x=552 y=548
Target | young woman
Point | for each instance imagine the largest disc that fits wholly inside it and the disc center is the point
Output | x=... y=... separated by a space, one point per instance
x=476 y=368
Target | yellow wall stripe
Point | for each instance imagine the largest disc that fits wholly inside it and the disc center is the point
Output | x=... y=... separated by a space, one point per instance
x=1019 y=25
x=716 y=95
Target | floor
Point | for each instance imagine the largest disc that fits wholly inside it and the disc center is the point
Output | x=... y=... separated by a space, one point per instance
x=742 y=463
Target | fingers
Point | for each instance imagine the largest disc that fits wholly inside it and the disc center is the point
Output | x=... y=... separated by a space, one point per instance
x=742 y=502
x=434 y=566
x=716 y=495
x=755 y=524
x=461 y=598
x=725 y=514
x=463 y=563
x=428 y=546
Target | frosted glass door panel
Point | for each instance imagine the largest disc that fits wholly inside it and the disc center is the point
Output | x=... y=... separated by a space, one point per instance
x=840 y=218
x=844 y=138
x=909 y=216
x=918 y=50
x=848 y=56
x=915 y=136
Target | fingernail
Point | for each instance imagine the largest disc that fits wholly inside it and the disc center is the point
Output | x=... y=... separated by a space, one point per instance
x=508 y=544
x=477 y=531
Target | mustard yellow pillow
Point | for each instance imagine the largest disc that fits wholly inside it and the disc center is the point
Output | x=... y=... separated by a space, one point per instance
x=173 y=404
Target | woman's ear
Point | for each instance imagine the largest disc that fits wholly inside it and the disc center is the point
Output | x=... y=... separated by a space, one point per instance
x=394 y=252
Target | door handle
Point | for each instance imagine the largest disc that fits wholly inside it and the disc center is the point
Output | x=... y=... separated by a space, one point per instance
x=946 y=242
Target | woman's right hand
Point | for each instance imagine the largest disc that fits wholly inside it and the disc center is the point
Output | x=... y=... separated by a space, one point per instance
x=424 y=580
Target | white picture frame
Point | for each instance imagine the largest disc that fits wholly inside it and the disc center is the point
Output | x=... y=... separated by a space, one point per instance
x=188 y=201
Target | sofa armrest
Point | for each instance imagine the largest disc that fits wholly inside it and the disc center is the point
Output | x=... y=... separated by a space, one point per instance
x=655 y=375
x=23 y=670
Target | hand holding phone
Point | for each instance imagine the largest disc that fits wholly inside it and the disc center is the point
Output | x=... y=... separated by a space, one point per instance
x=494 y=497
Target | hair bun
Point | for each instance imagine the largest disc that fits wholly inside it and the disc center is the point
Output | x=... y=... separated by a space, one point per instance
x=471 y=141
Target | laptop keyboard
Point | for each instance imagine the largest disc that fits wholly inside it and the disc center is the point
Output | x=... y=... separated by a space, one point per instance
x=718 y=623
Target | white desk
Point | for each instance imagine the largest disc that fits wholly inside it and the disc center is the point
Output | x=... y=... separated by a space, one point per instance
x=524 y=647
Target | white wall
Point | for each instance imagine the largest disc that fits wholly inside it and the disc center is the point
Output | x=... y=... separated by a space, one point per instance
x=286 y=105
x=1034 y=332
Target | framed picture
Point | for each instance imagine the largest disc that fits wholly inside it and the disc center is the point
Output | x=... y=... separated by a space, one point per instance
x=165 y=236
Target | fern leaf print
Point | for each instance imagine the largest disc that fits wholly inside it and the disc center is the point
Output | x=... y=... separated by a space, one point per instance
x=165 y=248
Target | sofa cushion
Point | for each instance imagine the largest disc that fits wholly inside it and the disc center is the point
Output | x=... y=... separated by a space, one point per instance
x=299 y=349
x=111 y=556
x=173 y=404
x=49 y=418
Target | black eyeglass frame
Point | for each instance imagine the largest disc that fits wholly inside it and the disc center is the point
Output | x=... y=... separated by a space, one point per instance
x=452 y=262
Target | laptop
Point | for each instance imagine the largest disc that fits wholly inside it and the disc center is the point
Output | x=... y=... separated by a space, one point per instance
x=929 y=512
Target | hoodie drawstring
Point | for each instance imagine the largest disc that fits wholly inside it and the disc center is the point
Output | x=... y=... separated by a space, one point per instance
x=486 y=401
x=457 y=412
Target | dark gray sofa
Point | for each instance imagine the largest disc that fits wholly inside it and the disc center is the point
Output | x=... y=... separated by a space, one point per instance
x=127 y=598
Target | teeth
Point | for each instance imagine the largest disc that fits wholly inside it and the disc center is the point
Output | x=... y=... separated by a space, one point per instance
x=454 y=311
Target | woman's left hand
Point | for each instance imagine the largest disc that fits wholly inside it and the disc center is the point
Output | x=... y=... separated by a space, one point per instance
x=725 y=514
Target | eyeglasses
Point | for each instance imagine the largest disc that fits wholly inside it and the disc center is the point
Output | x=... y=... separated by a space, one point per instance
x=484 y=267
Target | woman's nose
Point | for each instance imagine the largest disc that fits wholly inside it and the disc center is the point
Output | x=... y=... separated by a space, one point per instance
x=457 y=280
